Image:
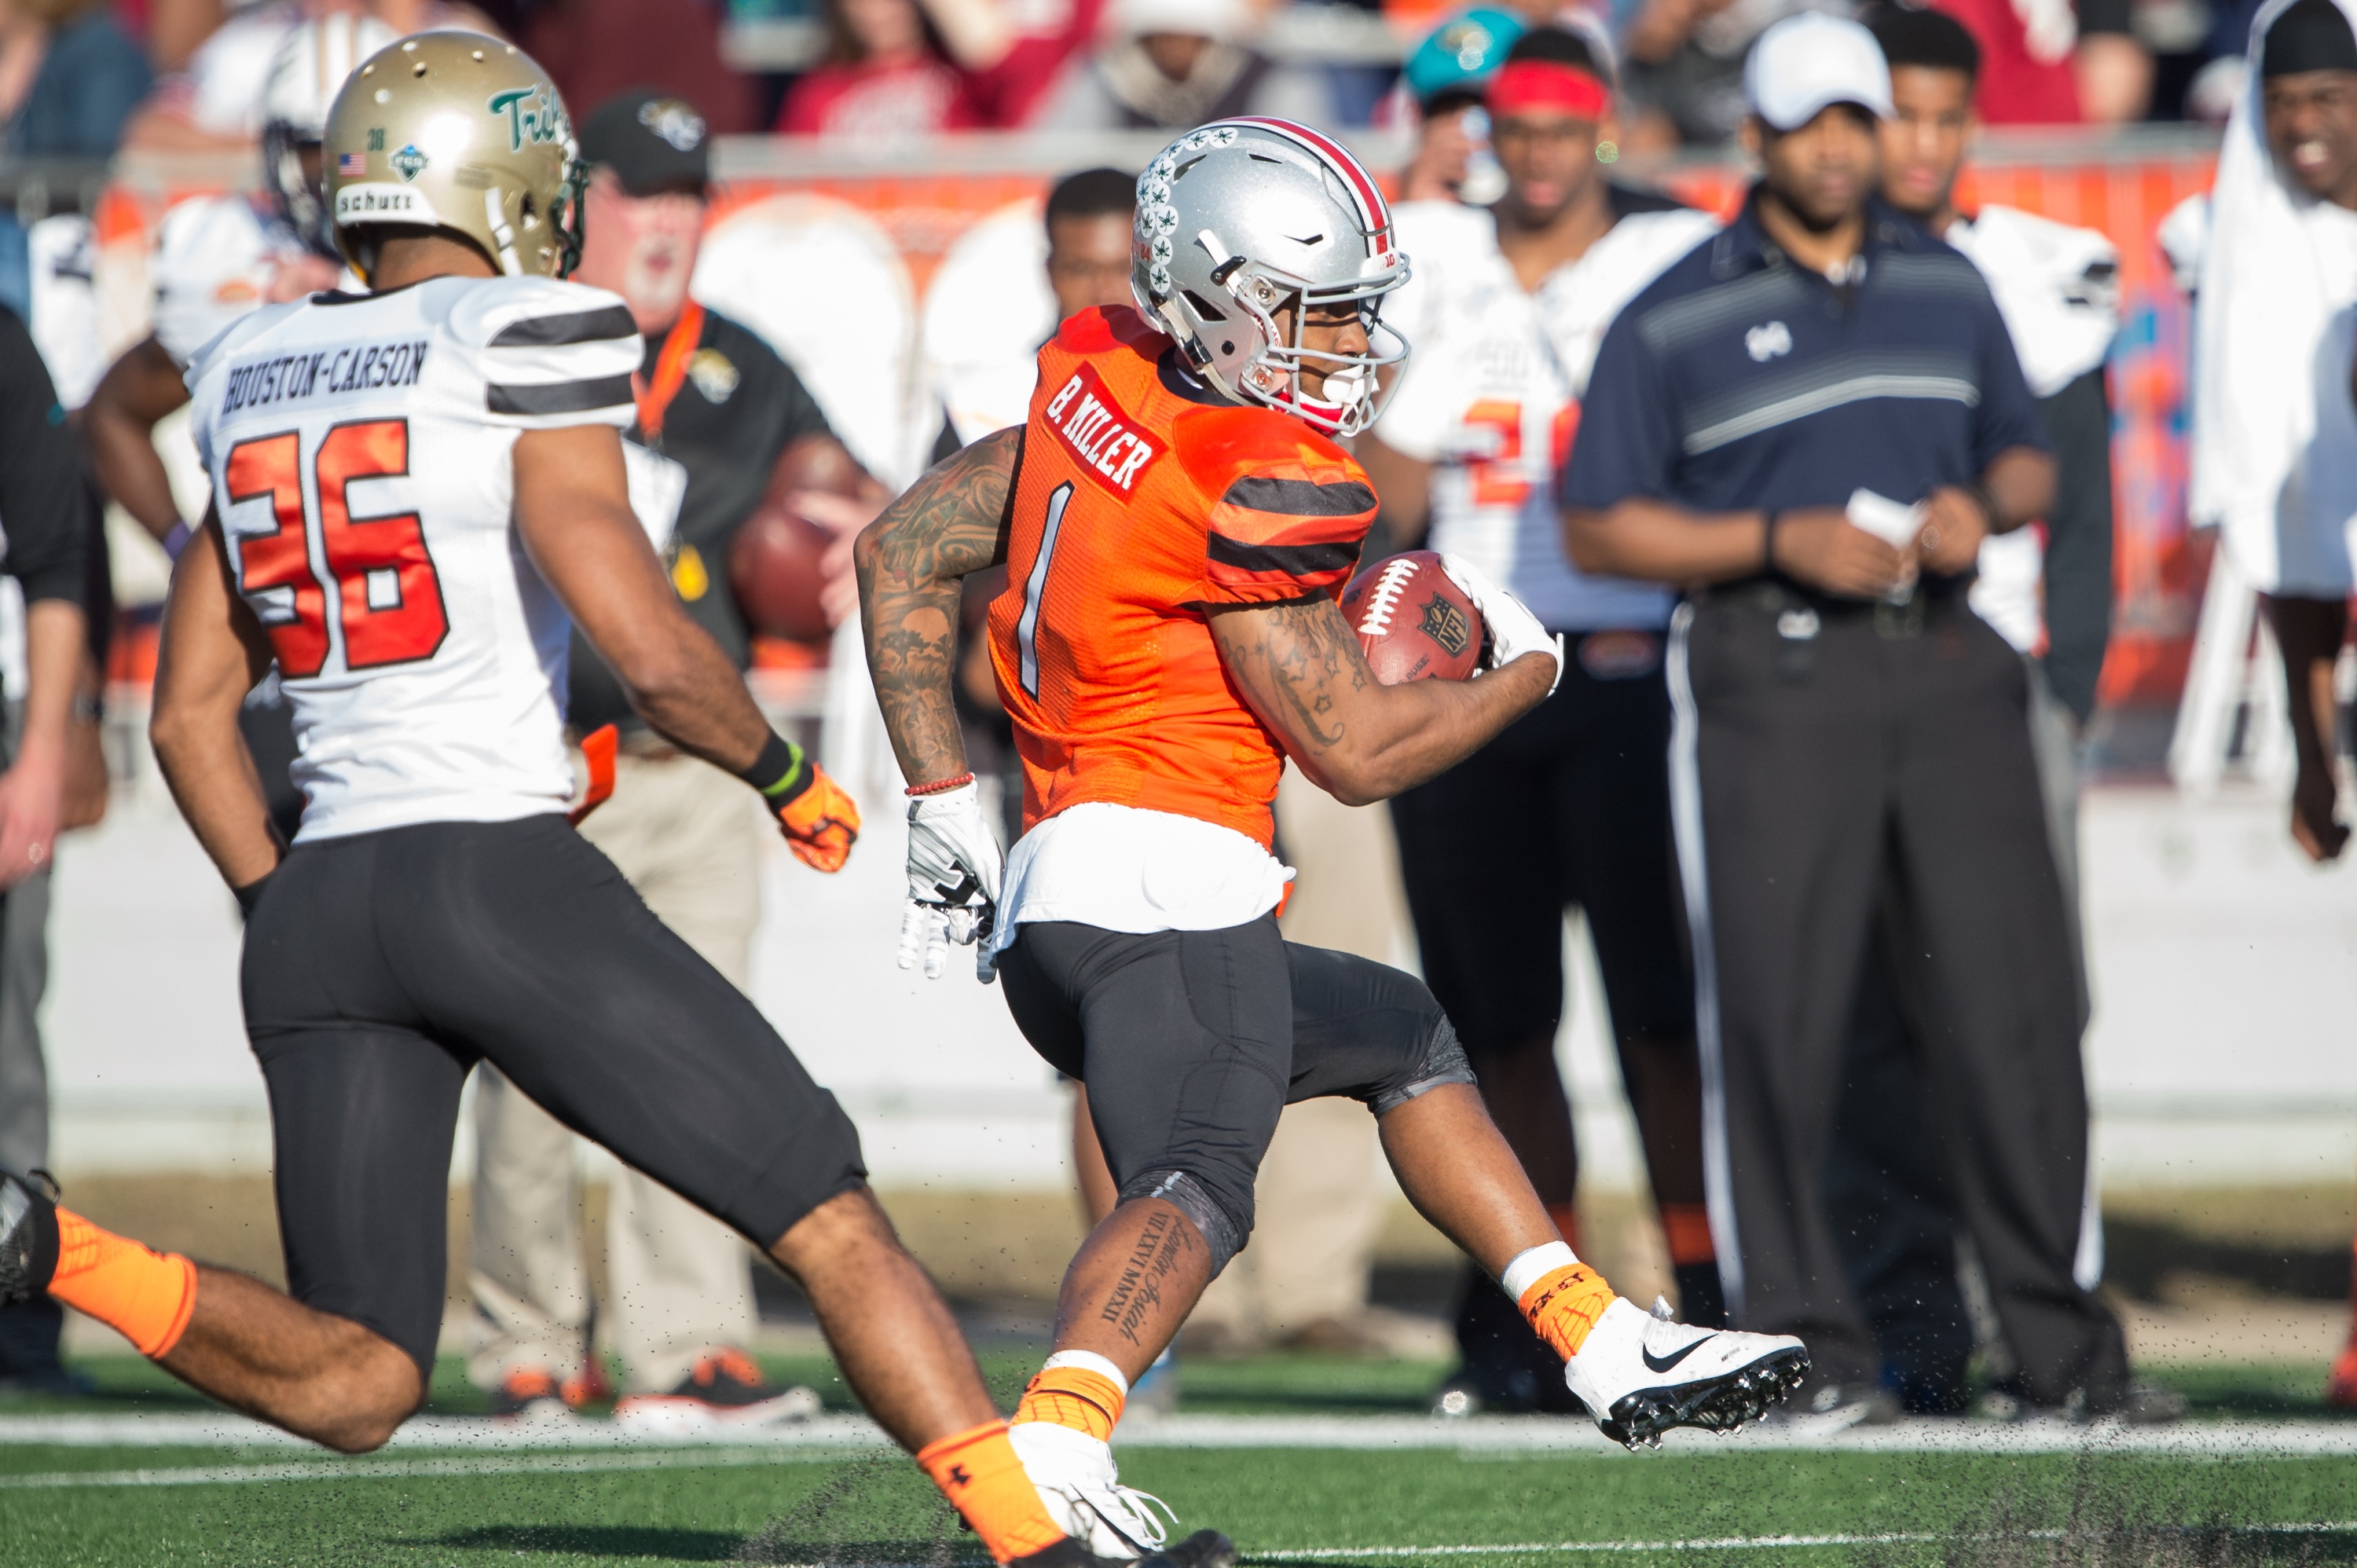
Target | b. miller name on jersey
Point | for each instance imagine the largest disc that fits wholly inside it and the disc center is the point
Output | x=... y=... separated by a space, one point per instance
x=1100 y=432
x=324 y=373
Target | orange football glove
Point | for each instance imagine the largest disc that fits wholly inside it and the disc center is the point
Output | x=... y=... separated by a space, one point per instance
x=822 y=823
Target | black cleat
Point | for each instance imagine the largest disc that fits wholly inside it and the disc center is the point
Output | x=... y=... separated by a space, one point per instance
x=28 y=1235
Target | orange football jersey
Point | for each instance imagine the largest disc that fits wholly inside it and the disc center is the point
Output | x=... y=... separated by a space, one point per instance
x=1144 y=500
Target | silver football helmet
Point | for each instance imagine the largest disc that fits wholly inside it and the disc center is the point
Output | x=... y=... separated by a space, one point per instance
x=1241 y=218
x=305 y=73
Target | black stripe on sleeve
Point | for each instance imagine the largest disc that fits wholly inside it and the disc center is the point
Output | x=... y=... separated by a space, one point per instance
x=1292 y=560
x=558 y=397
x=1300 y=497
x=575 y=327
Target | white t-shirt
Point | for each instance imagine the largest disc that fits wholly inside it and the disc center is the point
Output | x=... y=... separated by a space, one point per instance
x=988 y=310
x=2058 y=289
x=63 y=307
x=224 y=80
x=1490 y=395
x=360 y=454
x=1125 y=868
x=216 y=258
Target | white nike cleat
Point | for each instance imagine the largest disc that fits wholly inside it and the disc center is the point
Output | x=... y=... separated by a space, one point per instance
x=1077 y=1480
x=1640 y=1376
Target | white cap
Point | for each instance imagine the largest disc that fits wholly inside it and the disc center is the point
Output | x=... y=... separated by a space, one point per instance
x=1197 y=18
x=1806 y=63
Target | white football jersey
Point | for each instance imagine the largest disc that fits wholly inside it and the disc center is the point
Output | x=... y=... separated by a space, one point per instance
x=360 y=450
x=1491 y=390
x=2058 y=289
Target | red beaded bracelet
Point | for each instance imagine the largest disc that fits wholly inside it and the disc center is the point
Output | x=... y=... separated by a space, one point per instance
x=940 y=785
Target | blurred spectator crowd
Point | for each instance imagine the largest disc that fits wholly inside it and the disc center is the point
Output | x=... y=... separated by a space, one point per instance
x=79 y=78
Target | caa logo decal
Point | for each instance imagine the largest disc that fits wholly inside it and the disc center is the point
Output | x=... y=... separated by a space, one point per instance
x=1100 y=432
x=1764 y=343
x=408 y=163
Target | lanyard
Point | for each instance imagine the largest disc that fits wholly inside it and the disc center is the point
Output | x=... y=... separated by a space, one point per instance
x=671 y=371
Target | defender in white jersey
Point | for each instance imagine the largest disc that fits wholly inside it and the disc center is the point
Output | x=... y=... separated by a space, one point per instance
x=1571 y=804
x=416 y=491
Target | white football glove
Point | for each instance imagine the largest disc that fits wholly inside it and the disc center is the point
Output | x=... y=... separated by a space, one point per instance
x=1510 y=630
x=955 y=868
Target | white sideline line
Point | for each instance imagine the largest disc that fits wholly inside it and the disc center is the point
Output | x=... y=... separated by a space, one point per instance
x=1477 y=1438
x=444 y=1433
x=400 y=1469
x=1734 y=1543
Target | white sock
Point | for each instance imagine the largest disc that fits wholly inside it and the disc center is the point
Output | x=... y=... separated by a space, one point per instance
x=1530 y=1267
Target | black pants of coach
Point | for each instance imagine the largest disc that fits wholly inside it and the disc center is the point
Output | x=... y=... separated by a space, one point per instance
x=1827 y=756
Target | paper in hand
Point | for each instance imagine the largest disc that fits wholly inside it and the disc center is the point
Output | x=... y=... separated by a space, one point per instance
x=1893 y=522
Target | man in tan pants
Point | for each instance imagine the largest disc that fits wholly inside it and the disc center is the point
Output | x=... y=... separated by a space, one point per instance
x=722 y=423
x=688 y=837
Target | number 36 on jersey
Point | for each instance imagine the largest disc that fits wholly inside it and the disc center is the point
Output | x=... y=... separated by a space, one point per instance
x=309 y=546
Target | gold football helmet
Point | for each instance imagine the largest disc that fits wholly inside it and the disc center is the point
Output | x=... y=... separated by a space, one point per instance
x=461 y=132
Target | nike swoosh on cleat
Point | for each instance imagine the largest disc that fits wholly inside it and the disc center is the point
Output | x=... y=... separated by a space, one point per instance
x=1663 y=1363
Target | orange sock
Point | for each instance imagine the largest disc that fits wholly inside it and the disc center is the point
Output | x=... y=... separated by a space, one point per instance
x=983 y=1479
x=1080 y=1397
x=1567 y=1223
x=1565 y=1304
x=145 y=1295
x=1686 y=1228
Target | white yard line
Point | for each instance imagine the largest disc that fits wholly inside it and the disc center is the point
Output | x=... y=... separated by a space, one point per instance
x=403 y=1469
x=1500 y=1437
x=1727 y=1543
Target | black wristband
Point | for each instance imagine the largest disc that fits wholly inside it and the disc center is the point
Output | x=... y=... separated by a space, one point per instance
x=1768 y=520
x=250 y=895
x=781 y=773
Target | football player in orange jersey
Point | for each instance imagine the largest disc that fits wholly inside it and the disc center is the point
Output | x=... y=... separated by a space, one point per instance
x=1176 y=526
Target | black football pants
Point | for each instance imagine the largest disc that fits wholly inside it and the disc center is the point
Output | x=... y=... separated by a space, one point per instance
x=379 y=968
x=1825 y=757
x=1191 y=1043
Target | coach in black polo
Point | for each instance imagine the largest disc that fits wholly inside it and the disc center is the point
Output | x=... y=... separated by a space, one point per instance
x=1810 y=422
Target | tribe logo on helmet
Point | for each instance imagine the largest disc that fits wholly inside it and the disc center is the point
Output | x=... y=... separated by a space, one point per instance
x=530 y=117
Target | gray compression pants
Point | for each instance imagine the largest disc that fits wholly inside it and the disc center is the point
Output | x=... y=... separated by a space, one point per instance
x=1191 y=1043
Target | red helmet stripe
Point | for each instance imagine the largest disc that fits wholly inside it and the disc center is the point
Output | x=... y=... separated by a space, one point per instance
x=1372 y=208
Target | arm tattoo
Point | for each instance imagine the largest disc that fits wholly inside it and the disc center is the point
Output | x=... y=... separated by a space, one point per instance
x=1305 y=655
x=951 y=524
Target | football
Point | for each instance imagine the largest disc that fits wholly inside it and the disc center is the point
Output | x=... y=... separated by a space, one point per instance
x=774 y=567
x=1414 y=624
x=776 y=559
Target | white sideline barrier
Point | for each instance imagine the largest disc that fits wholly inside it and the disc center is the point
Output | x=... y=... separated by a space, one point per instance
x=2221 y=968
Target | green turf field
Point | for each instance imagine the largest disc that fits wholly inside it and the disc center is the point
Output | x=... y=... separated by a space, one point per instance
x=283 y=1505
